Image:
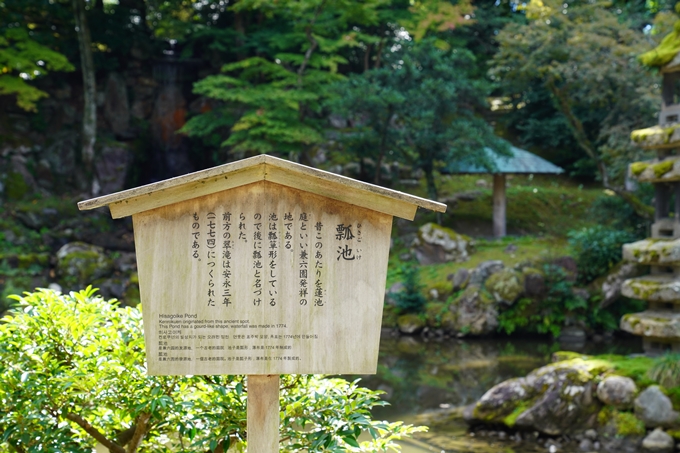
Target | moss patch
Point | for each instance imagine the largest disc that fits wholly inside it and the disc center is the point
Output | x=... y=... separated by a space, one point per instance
x=662 y=168
x=664 y=53
x=636 y=168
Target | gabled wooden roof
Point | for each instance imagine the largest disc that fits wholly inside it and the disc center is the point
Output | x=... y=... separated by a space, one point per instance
x=261 y=168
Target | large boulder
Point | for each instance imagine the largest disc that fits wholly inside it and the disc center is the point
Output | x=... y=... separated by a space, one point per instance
x=474 y=312
x=658 y=441
x=534 y=282
x=79 y=264
x=437 y=244
x=555 y=399
x=617 y=391
x=506 y=286
x=655 y=409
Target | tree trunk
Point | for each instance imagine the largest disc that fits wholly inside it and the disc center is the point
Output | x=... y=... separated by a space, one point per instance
x=432 y=192
x=89 y=133
x=578 y=131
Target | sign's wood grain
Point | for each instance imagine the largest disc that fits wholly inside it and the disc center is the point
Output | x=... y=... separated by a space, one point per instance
x=262 y=279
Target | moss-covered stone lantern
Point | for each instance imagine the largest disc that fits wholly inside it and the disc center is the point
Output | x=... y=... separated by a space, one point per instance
x=659 y=325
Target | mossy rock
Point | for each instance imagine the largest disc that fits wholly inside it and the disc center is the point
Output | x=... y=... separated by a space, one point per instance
x=625 y=423
x=33 y=259
x=506 y=285
x=410 y=324
x=436 y=244
x=662 y=168
x=16 y=187
x=636 y=168
x=434 y=312
x=80 y=264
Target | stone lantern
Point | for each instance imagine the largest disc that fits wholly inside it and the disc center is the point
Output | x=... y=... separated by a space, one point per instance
x=659 y=325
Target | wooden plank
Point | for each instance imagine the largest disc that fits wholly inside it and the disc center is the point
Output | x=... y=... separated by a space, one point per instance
x=177 y=194
x=344 y=192
x=263 y=413
x=499 y=201
x=261 y=167
x=272 y=325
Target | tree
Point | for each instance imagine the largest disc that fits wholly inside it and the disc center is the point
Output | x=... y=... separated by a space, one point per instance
x=586 y=60
x=73 y=373
x=424 y=105
x=23 y=59
x=89 y=131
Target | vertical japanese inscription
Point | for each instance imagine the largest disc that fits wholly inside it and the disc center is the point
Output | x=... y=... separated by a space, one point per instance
x=273 y=239
x=318 y=265
x=211 y=255
x=257 y=259
x=304 y=258
x=227 y=247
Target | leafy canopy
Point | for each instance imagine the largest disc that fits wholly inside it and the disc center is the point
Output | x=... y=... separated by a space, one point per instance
x=23 y=59
x=73 y=372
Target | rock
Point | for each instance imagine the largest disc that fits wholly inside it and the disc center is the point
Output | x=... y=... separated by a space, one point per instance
x=434 y=294
x=505 y=285
x=582 y=293
x=474 y=312
x=658 y=442
x=572 y=334
x=125 y=262
x=499 y=401
x=436 y=244
x=611 y=287
x=534 y=282
x=410 y=324
x=555 y=400
x=568 y=264
x=591 y=434
x=111 y=167
x=405 y=257
x=511 y=248
x=586 y=445
x=112 y=288
x=484 y=270
x=655 y=409
x=460 y=279
x=54 y=287
x=565 y=403
x=617 y=391
x=116 y=105
x=80 y=264
x=481 y=183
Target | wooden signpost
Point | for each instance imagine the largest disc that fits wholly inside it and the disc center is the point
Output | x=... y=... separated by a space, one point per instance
x=262 y=267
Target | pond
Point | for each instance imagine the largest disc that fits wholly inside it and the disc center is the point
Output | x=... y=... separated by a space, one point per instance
x=428 y=383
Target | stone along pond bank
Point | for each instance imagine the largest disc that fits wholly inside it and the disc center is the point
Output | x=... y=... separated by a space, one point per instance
x=602 y=403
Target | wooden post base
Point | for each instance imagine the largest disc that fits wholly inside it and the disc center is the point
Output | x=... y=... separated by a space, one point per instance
x=263 y=413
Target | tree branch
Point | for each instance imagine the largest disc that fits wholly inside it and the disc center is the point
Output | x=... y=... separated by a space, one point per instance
x=142 y=423
x=313 y=44
x=94 y=432
x=584 y=142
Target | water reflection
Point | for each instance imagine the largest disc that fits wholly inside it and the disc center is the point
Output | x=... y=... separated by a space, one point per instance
x=429 y=383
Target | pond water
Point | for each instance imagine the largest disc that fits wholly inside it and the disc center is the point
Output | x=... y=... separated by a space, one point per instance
x=426 y=383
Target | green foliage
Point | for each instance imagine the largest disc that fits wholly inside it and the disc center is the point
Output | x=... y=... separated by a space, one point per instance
x=574 y=65
x=410 y=299
x=615 y=213
x=73 y=370
x=597 y=250
x=547 y=315
x=22 y=59
x=666 y=370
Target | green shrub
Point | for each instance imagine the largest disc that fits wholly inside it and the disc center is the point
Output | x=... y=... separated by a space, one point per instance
x=410 y=299
x=597 y=250
x=666 y=370
x=73 y=371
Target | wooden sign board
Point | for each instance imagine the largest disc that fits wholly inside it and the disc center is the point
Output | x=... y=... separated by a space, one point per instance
x=262 y=267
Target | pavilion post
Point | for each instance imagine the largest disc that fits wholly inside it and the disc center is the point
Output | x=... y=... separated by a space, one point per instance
x=499 y=205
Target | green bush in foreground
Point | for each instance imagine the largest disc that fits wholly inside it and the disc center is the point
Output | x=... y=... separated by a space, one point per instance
x=666 y=370
x=73 y=373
